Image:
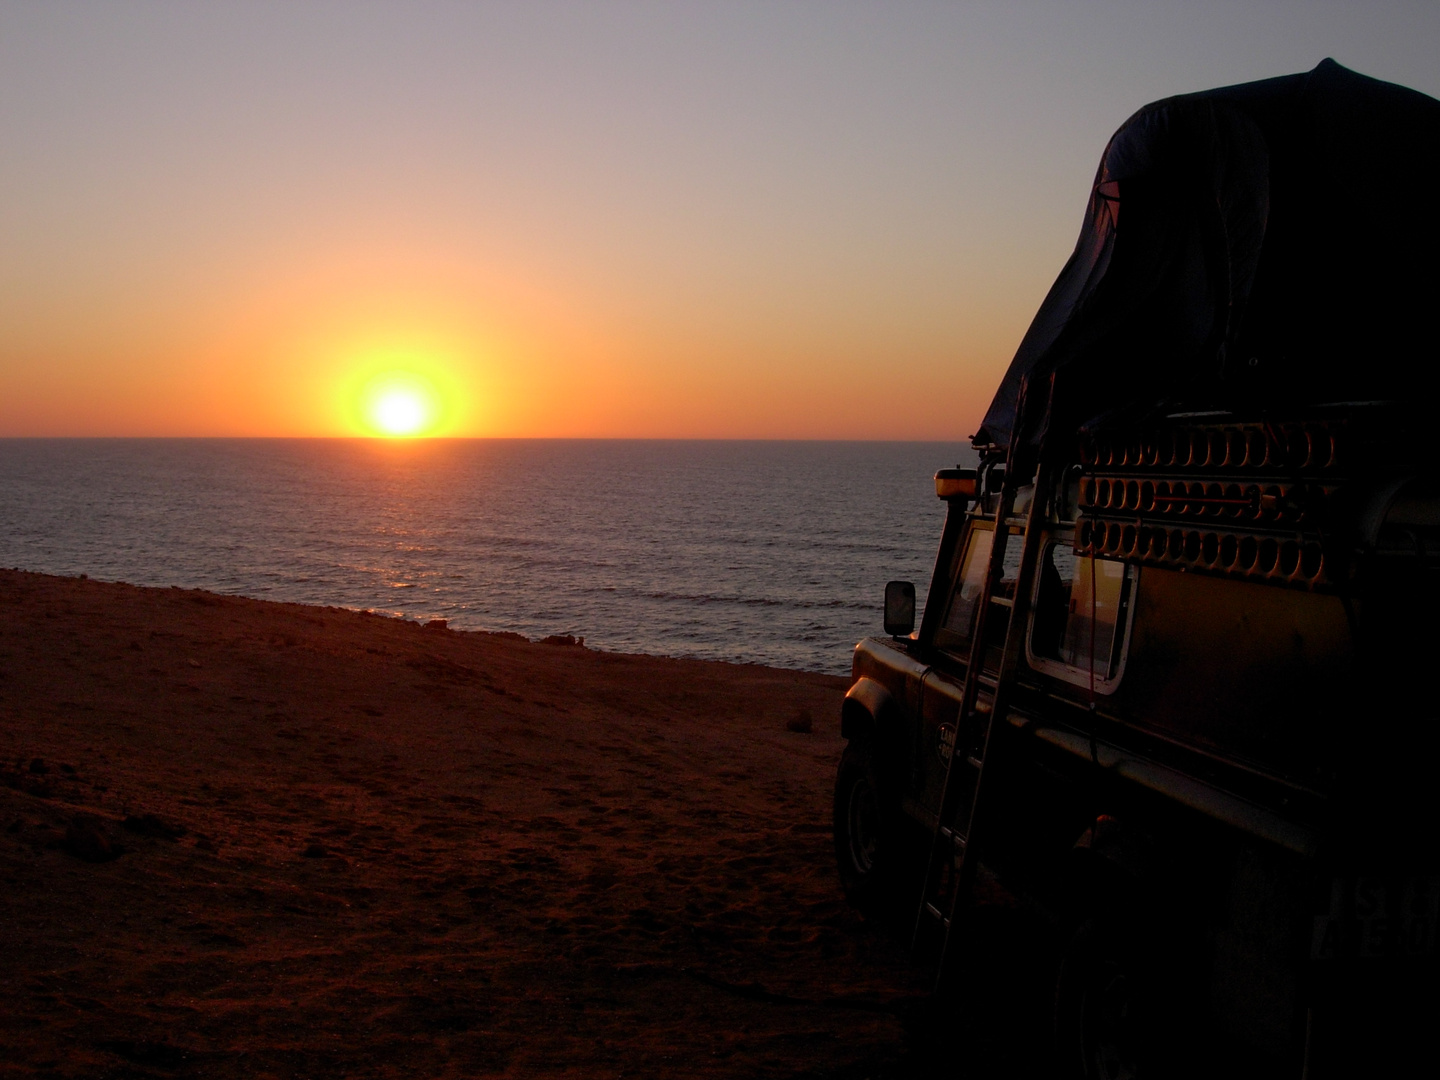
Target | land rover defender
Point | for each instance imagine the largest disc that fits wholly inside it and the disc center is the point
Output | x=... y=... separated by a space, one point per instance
x=1171 y=687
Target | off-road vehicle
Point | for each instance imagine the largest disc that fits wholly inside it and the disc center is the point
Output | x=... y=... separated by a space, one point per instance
x=1173 y=687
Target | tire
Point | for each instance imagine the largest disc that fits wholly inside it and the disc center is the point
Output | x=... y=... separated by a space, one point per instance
x=871 y=852
x=1113 y=1010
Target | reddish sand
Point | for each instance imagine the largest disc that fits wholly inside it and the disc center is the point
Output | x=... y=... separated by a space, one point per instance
x=242 y=839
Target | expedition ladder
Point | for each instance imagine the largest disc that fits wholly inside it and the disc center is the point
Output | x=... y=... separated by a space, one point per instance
x=950 y=868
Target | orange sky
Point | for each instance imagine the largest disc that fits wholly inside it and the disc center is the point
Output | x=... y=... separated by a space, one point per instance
x=799 y=221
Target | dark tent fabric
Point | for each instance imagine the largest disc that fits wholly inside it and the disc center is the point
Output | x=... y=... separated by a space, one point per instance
x=1271 y=244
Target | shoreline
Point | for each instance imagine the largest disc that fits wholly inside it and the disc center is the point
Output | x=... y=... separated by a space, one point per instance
x=416 y=620
x=403 y=618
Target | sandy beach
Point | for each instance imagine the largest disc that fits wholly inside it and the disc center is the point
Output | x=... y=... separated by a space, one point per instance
x=243 y=839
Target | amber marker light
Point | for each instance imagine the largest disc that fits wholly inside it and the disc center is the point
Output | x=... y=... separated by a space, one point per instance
x=957 y=484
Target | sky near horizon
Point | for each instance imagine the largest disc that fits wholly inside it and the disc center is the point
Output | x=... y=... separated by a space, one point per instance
x=708 y=220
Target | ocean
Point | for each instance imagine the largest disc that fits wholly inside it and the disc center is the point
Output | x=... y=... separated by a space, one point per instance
x=760 y=552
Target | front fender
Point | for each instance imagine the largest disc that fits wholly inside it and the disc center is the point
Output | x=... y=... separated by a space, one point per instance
x=867 y=707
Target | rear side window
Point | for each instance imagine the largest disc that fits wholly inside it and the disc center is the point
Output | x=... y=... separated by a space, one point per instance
x=1079 y=620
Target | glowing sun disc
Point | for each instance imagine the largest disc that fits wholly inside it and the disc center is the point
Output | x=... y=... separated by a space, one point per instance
x=400 y=405
x=400 y=412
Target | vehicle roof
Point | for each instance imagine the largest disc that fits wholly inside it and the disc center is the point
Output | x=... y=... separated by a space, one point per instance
x=1269 y=244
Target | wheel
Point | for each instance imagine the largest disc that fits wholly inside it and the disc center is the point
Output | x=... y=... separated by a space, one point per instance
x=1095 y=1000
x=1111 y=1008
x=871 y=848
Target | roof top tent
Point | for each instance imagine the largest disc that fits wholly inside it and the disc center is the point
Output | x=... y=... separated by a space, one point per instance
x=1272 y=245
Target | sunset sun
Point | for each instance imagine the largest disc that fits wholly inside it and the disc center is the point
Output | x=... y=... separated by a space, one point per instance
x=400 y=405
x=400 y=412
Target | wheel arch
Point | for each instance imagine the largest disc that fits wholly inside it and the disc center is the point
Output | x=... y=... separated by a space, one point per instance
x=868 y=710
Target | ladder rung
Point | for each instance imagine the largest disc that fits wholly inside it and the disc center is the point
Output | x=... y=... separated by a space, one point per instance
x=1018 y=523
x=1002 y=601
x=984 y=678
x=956 y=839
x=935 y=913
x=974 y=762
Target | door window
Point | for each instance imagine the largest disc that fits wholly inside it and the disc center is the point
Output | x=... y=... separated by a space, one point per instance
x=960 y=617
x=956 y=631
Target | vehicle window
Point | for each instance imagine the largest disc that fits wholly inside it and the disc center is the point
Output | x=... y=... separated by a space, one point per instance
x=961 y=615
x=958 y=627
x=1080 y=611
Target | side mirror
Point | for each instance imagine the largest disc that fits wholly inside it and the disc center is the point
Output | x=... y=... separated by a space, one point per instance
x=899 y=608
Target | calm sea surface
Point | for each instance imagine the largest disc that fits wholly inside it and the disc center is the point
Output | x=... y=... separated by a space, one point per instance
x=768 y=552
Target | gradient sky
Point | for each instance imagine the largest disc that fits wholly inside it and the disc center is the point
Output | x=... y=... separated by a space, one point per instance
x=719 y=219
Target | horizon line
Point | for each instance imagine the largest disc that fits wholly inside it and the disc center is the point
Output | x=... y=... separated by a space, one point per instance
x=382 y=440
